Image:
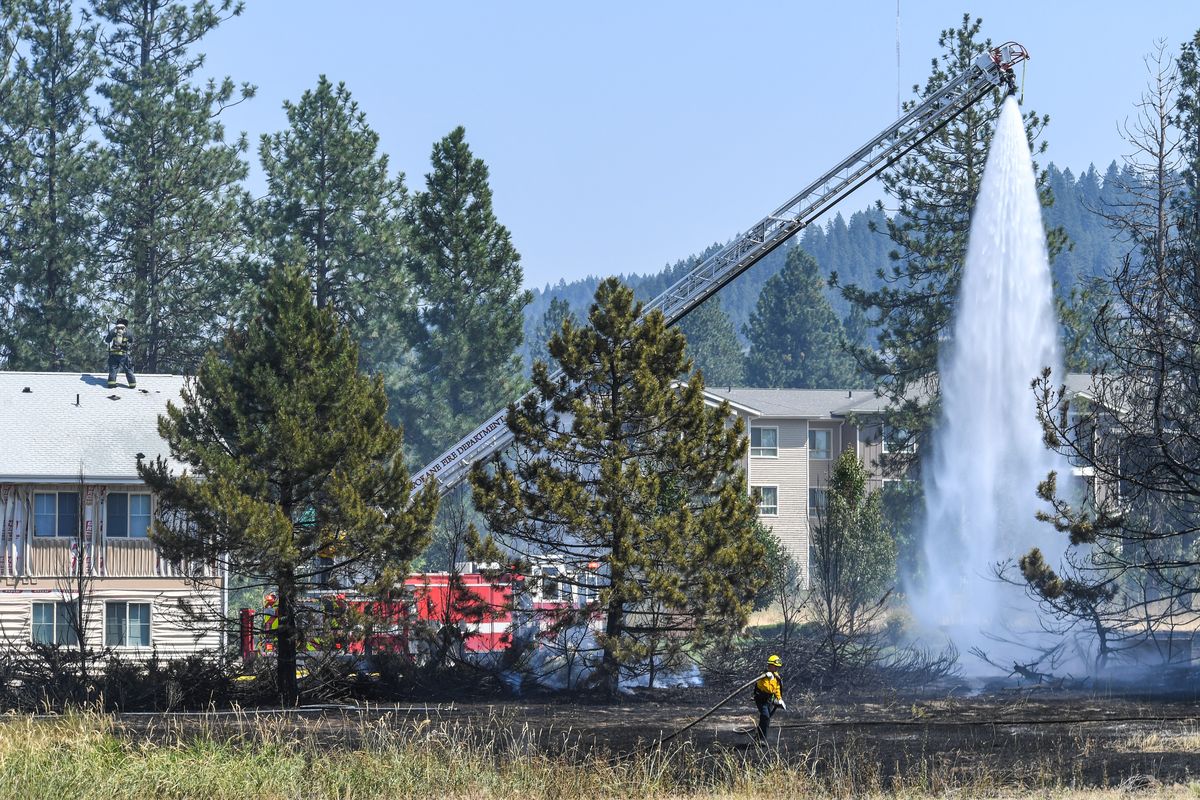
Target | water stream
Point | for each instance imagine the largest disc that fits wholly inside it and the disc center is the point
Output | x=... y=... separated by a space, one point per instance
x=987 y=455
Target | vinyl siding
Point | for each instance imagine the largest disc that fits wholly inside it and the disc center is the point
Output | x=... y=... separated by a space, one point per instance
x=171 y=632
x=789 y=473
x=23 y=554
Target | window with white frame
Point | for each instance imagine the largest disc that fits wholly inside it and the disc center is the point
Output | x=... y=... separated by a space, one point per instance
x=767 y=500
x=54 y=623
x=55 y=513
x=898 y=440
x=126 y=624
x=820 y=443
x=127 y=515
x=818 y=502
x=764 y=442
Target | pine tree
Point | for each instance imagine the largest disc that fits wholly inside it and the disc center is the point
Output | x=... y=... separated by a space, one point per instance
x=713 y=344
x=796 y=341
x=936 y=186
x=468 y=276
x=551 y=323
x=289 y=455
x=170 y=204
x=617 y=464
x=332 y=207
x=15 y=98
x=853 y=560
x=50 y=279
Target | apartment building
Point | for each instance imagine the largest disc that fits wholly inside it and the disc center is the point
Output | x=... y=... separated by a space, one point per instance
x=796 y=435
x=75 y=517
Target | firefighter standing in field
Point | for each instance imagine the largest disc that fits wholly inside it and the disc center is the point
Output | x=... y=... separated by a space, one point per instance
x=768 y=696
x=120 y=348
x=270 y=625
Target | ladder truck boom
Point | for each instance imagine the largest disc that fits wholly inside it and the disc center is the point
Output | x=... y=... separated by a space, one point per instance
x=991 y=69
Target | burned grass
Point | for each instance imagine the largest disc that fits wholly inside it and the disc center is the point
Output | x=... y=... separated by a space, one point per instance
x=1016 y=744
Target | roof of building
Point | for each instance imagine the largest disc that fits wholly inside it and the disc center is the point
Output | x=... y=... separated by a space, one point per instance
x=803 y=403
x=838 y=403
x=57 y=425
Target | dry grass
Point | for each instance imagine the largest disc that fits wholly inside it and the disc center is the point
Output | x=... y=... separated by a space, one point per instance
x=85 y=756
x=1186 y=740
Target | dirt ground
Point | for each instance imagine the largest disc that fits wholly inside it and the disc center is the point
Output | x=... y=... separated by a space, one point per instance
x=1024 y=737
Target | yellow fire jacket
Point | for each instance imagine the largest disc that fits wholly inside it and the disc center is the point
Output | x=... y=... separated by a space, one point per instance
x=768 y=686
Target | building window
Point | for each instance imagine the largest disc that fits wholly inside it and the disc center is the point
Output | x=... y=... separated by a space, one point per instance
x=764 y=442
x=898 y=440
x=550 y=584
x=56 y=513
x=820 y=443
x=53 y=623
x=126 y=624
x=127 y=515
x=767 y=500
x=818 y=502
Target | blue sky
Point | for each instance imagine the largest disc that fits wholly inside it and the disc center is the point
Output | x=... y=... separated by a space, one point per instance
x=623 y=136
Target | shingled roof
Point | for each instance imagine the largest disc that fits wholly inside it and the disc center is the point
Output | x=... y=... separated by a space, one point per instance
x=799 y=403
x=56 y=425
x=838 y=403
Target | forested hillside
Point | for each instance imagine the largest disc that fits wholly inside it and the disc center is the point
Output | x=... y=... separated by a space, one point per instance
x=857 y=248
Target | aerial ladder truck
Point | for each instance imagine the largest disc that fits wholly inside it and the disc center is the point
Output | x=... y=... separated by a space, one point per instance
x=990 y=70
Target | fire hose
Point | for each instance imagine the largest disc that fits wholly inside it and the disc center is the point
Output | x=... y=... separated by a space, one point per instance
x=706 y=714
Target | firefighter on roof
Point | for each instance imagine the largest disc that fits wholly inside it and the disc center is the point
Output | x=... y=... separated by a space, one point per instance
x=768 y=695
x=120 y=347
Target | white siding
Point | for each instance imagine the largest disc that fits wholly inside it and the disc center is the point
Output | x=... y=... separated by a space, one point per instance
x=170 y=631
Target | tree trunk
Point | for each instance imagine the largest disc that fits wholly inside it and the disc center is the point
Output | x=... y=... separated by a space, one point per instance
x=286 y=646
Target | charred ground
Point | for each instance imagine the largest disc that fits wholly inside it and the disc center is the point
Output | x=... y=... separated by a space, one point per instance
x=1026 y=738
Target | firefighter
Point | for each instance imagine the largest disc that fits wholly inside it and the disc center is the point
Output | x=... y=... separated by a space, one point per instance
x=270 y=627
x=120 y=346
x=768 y=696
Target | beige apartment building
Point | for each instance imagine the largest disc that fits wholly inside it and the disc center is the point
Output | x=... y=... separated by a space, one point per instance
x=74 y=518
x=796 y=435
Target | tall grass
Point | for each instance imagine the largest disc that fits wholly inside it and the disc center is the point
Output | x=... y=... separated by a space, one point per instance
x=252 y=757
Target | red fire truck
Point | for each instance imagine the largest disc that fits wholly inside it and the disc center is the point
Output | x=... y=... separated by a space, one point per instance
x=489 y=608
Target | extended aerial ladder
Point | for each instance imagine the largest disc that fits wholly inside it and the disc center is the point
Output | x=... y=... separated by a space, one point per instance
x=991 y=69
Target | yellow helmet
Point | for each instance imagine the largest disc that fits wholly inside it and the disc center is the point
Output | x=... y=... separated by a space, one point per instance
x=774 y=661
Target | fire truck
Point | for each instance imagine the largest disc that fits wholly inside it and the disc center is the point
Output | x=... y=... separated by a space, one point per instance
x=489 y=608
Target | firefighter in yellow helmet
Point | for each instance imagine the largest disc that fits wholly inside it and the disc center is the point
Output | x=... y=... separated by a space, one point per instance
x=768 y=695
x=270 y=625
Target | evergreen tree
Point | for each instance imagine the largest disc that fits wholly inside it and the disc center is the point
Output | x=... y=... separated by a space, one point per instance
x=170 y=203
x=50 y=280
x=332 y=207
x=853 y=561
x=617 y=464
x=551 y=323
x=936 y=186
x=796 y=341
x=468 y=275
x=289 y=456
x=713 y=344
x=1083 y=347
x=14 y=100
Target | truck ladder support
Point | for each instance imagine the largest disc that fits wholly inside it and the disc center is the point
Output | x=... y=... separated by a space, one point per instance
x=991 y=69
